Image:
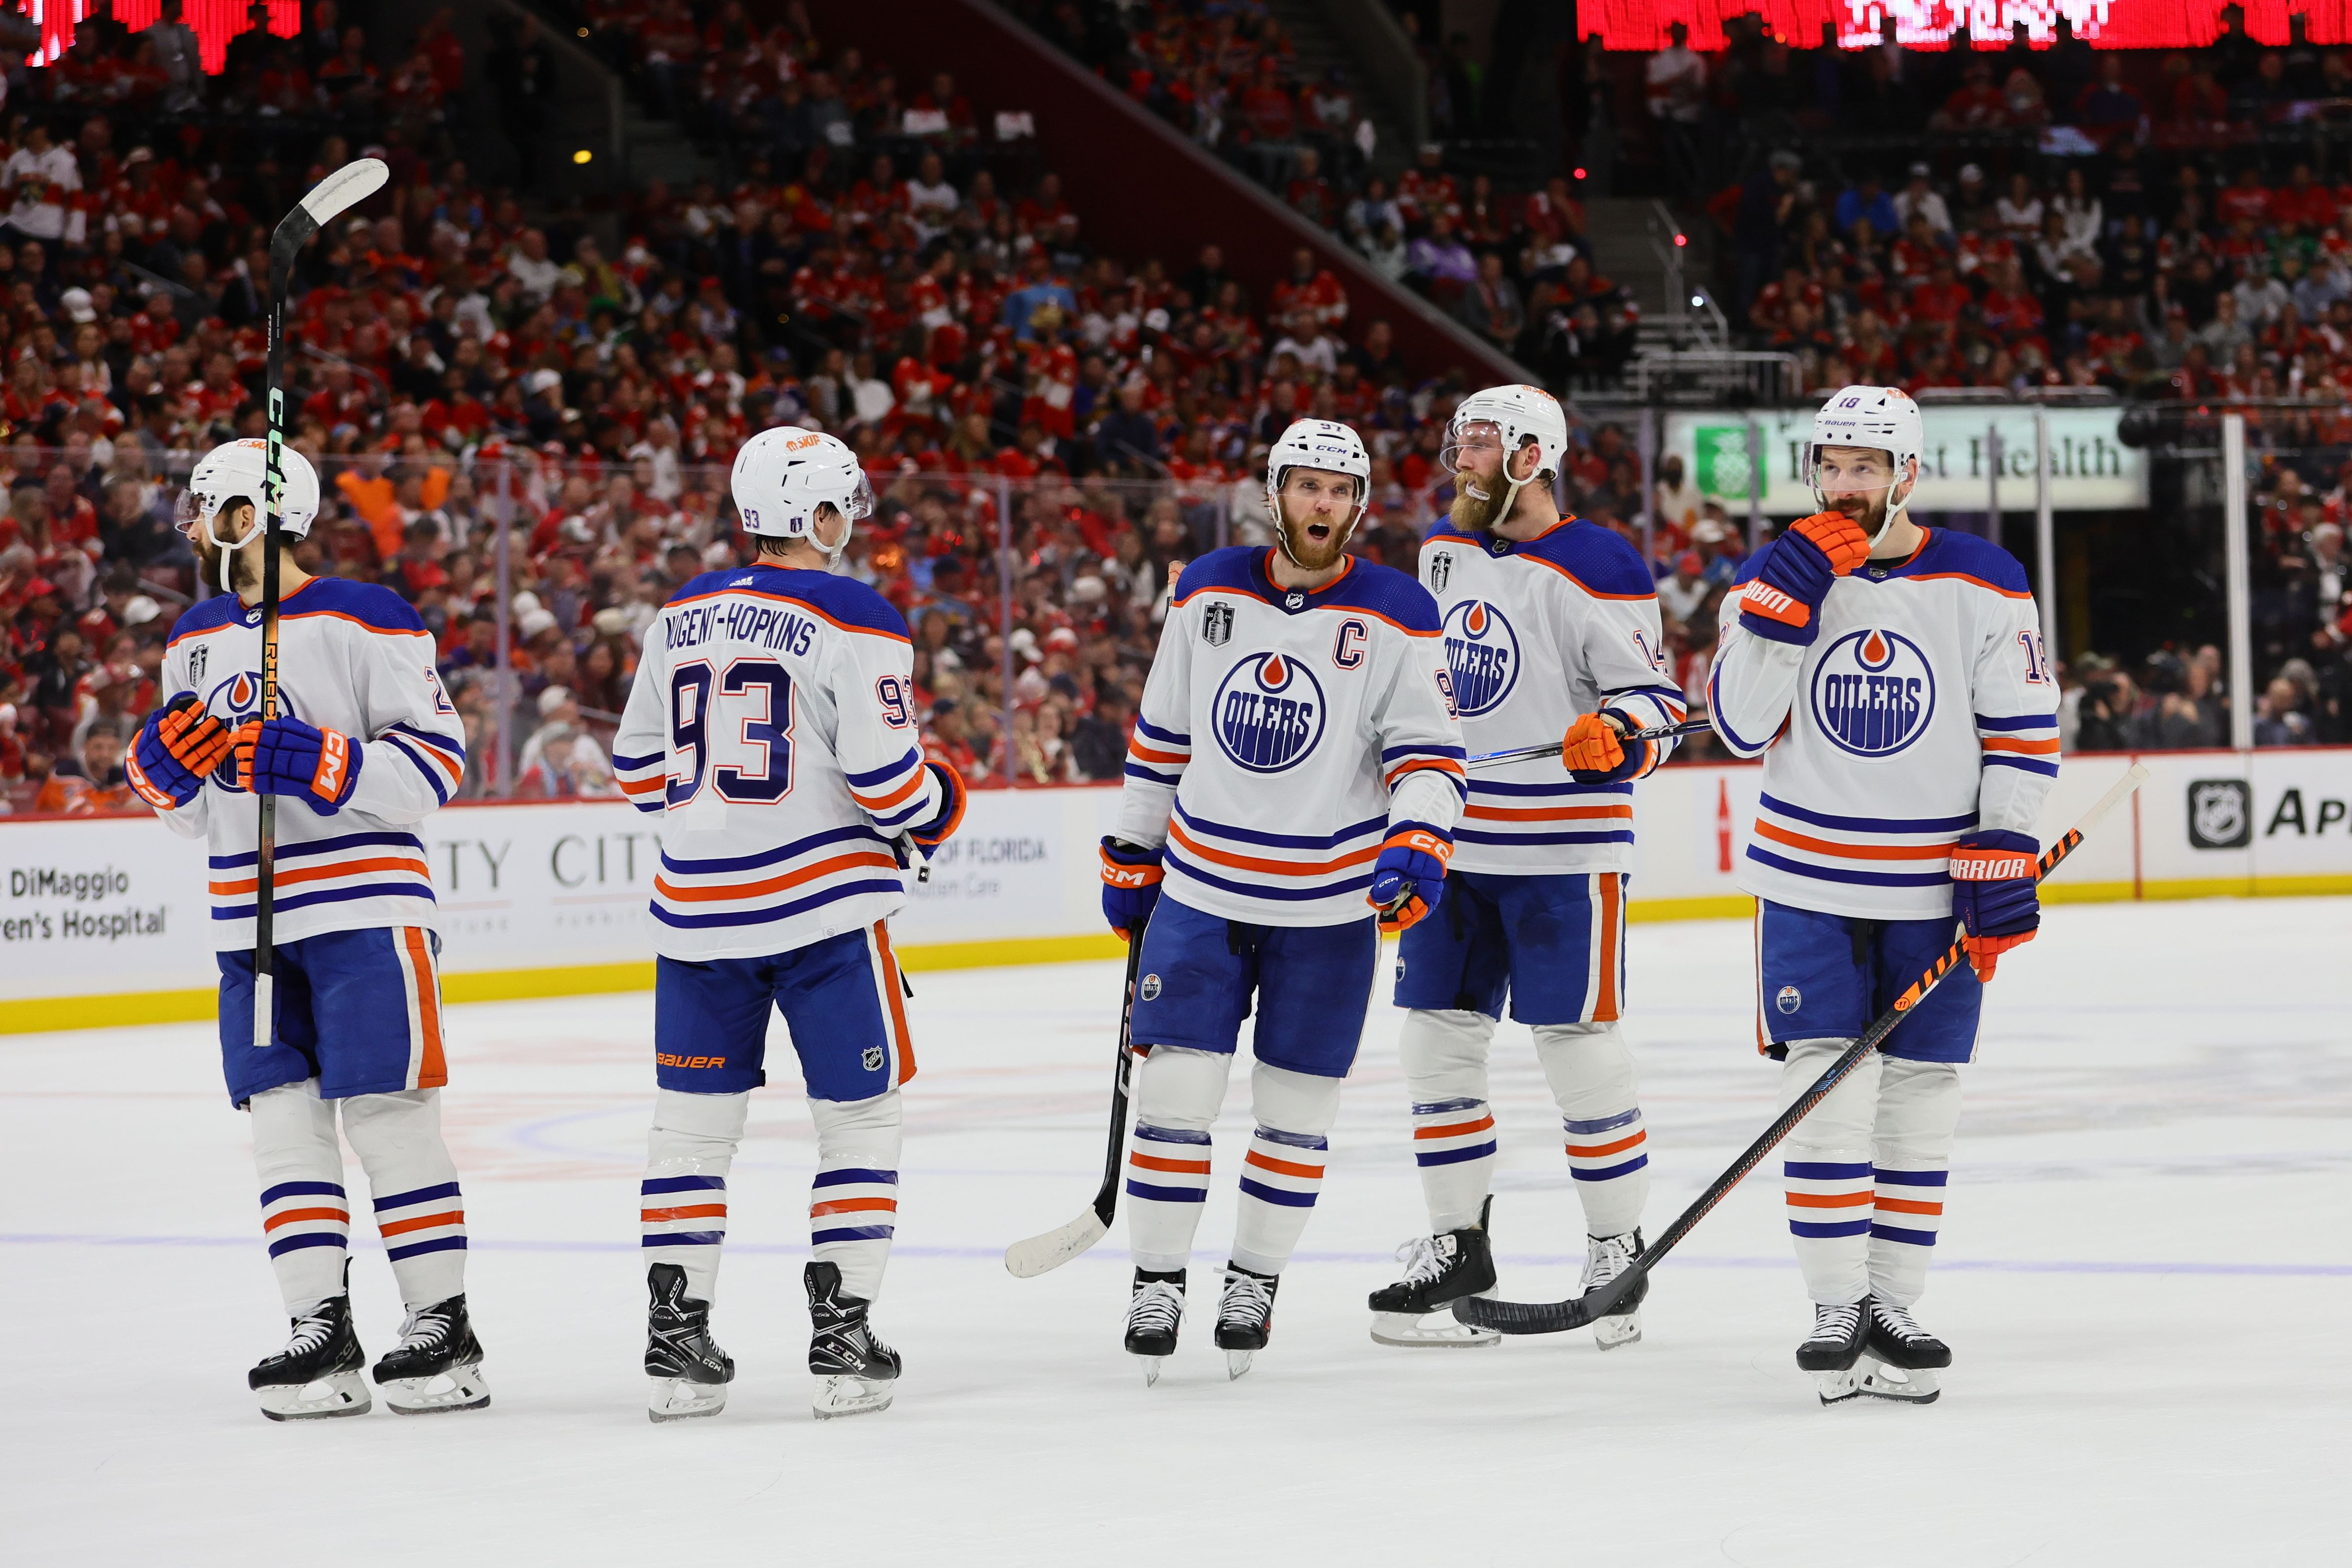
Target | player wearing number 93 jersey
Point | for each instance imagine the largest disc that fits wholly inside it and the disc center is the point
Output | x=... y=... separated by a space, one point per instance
x=771 y=728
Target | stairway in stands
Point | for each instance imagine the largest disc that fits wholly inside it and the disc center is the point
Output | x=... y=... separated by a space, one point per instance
x=1320 y=48
x=1625 y=233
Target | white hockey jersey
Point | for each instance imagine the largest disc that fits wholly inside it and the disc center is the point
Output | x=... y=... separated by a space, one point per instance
x=772 y=728
x=1285 y=736
x=1539 y=633
x=352 y=657
x=1923 y=711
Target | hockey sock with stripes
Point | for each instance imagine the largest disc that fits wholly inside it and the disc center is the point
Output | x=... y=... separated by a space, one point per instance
x=1176 y=1093
x=1826 y=1168
x=413 y=1182
x=1444 y=1058
x=1282 y=1173
x=1591 y=1075
x=854 y=1199
x=305 y=1213
x=682 y=1200
x=1918 y=1113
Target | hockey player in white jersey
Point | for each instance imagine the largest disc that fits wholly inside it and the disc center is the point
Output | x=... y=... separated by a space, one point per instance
x=1894 y=680
x=1551 y=628
x=1297 y=759
x=771 y=728
x=364 y=747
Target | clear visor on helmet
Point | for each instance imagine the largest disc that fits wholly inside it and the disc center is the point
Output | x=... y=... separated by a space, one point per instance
x=194 y=507
x=1467 y=441
x=1840 y=470
x=860 y=503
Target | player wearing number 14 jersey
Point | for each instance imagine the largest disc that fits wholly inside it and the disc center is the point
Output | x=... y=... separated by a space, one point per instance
x=771 y=728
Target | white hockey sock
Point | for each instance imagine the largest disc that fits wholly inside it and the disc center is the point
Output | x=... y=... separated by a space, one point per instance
x=1591 y=1076
x=305 y=1215
x=414 y=1183
x=682 y=1201
x=1283 y=1171
x=1826 y=1165
x=1918 y=1113
x=1445 y=1058
x=854 y=1199
x=1176 y=1093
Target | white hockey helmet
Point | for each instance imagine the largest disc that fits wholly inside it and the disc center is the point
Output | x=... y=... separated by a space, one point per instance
x=1324 y=443
x=239 y=470
x=784 y=475
x=1879 y=418
x=1519 y=413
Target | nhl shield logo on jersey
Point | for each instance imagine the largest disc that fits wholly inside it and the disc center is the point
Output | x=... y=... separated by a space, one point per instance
x=1873 y=693
x=1482 y=653
x=1217 y=625
x=872 y=1059
x=1269 y=713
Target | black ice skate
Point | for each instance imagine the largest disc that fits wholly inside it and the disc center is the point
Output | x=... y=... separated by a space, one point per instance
x=318 y=1372
x=1899 y=1358
x=858 y=1369
x=1438 y=1271
x=1244 y=1317
x=691 y=1373
x=1831 y=1351
x=437 y=1366
x=1155 y=1307
x=1605 y=1257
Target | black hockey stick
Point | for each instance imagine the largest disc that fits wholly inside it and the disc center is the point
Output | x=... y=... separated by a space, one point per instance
x=1042 y=1254
x=1520 y=752
x=1558 y=1317
x=355 y=181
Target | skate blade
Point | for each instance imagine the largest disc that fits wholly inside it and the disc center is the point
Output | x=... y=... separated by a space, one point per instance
x=1837 y=1387
x=1911 y=1386
x=1615 y=1333
x=676 y=1399
x=851 y=1395
x=341 y=1395
x=1439 y=1329
x=459 y=1388
x=1237 y=1361
x=1151 y=1370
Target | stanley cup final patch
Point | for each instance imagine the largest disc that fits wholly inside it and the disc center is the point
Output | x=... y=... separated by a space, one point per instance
x=1441 y=570
x=1217 y=625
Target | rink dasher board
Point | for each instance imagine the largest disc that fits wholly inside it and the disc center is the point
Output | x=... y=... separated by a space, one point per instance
x=104 y=920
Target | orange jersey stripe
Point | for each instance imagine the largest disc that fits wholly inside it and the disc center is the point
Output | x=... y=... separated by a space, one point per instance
x=2023 y=748
x=855 y=1206
x=1456 y=1130
x=1594 y=1151
x=1266 y=1162
x=322 y=873
x=423 y=1222
x=299 y=1216
x=1273 y=868
x=689 y=1211
x=1143 y=752
x=1613 y=894
x=1853 y=851
x=1417 y=764
x=884 y=802
x=895 y=990
x=433 y=1071
x=669 y=890
x=1552 y=814
x=1828 y=1200
x=1908 y=1205
x=1178 y=1167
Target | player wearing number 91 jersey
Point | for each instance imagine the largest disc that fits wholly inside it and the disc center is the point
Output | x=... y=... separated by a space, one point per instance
x=771 y=728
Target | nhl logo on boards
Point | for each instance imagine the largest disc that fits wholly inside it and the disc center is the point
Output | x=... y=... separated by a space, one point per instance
x=872 y=1059
x=1268 y=712
x=1441 y=568
x=2221 y=814
x=1149 y=989
x=1789 y=1000
x=1873 y=693
x=1482 y=655
x=1217 y=625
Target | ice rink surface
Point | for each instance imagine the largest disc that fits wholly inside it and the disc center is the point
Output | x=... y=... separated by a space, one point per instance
x=2146 y=1275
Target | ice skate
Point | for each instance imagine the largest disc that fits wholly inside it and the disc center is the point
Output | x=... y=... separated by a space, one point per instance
x=1438 y=1271
x=1155 y=1308
x=1244 y=1317
x=1900 y=1359
x=318 y=1372
x=1831 y=1351
x=860 y=1372
x=437 y=1366
x=689 y=1372
x=1605 y=1257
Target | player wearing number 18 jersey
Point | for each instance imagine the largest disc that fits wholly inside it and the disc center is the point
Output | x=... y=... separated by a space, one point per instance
x=772 y=728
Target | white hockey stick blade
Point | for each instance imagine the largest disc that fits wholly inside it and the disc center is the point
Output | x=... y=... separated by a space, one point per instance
x=1044 y=1254
x=348 y=186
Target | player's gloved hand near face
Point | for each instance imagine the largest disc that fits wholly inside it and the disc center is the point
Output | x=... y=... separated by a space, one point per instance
x=930 y=835
x=176 y=751
x=1784 y=602
x=1130 y=874
x=1408 y=878
x=286 y=757
x=1594 y=752
x=1994 y=895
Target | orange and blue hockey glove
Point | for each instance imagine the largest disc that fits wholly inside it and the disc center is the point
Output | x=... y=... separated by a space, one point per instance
x=175 y=752
x=1408 y=878
x=286 y=756
x=1994 y=895
x=1784 y=602
x=1594 y=751
x=1130 y=874
x=930 y=835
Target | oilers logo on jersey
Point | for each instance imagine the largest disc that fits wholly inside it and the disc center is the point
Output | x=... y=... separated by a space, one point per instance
x=1874 y=692
x=234 y=701
x=1269 y=712
x=1482 y=654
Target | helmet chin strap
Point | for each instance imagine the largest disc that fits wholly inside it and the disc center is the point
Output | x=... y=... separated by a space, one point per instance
x=1282 y=534
x=226 y=551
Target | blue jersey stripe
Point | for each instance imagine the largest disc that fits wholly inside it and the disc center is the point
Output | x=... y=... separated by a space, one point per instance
x=1393 y=752
x=1150 y=775
x=855 y=1176
x=420 y=1195
x=1166 y=1194
x=330 y=895
x=417 y=1249
x=1883 y=1232
x=770 y=857
x=1281 y=840
x=635 y=764
x=1490 y=787
x=654 y=1186
x=1910 y=1178
x=310 y=847
x=1145 y=728
x=310 y=1238
x=1456 y=1157
x=2018 y=721
x=1732 y=738
x=1611 y=1173
x=1817 y=1231
x=1959 y=824
x=270 y=1195
x=454 y=744
x=1853 y=878
x=1276 y=1195
x=850 y=1233
x=1480 y=836
x=684 y=1238
x=2024 y=764
x=433 y=776
x=774 y=912
x=1824 y=1170
x=882 y=775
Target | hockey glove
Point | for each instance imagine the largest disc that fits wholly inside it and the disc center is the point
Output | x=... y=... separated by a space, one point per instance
x=1993 y=894
x=286 y=757
x=1130 y=876
x=177 y=748
x=1593 y=754
x=1784 y=602
x=1408 y=878
x=930 y=835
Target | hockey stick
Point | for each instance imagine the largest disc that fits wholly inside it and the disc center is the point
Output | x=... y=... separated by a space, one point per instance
x=355 y=181
x=1042 y=1254
x=1520 y=752
x=1556 y=1317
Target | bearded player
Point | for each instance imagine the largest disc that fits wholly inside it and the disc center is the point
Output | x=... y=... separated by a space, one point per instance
x=1551 y=629
x=1893 y=678
x=1292 y=788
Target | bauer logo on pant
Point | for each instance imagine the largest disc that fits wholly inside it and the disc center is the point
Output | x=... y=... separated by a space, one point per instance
x=1482 y=653
x=1269 y=713
x=1873 y=693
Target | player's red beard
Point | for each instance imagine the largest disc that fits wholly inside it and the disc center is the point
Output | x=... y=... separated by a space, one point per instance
x=1868 y=511
x=1308 y=552
x=244 y=571
x=1473 y=512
